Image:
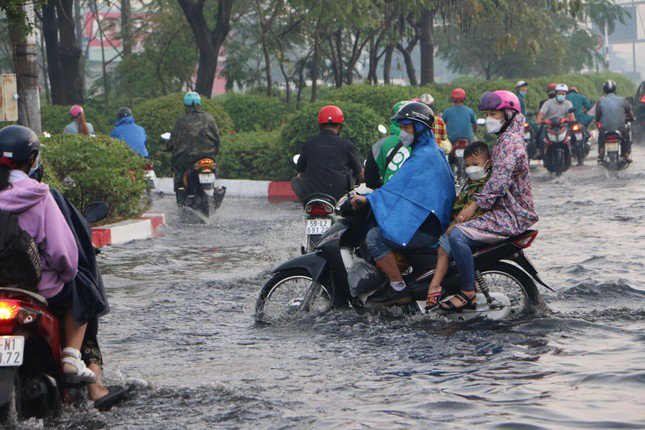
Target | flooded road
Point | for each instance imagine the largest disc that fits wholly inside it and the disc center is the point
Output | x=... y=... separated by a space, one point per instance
x=181 y=330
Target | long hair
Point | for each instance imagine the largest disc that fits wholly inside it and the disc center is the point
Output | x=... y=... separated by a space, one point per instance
x=6 y=165
x=81 y=124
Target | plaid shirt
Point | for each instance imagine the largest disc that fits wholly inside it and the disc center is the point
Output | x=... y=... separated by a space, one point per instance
x=440 y=133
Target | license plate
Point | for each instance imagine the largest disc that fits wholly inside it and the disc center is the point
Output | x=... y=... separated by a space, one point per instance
x=612 y=147
x=12 y=350
x=207 y=178
x=579 y=137
x=318 y=225
x=527 y=136
x=459 y=153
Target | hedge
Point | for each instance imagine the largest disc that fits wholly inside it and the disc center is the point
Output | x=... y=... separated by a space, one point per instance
x=88 y=169
x=158 y=116
x=360 y=126
x=255 y=155
x=255 y=113
x=55 y=118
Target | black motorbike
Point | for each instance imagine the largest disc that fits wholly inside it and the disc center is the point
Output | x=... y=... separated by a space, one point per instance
x=581 y=145
x=197 y=189
x=319 y=217
x=614 y=143
x=319 y=281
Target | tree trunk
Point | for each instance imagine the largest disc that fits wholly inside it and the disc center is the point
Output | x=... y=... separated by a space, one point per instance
x=315 y=61
x=126 y=30
x=24 y=50
x=69 y=53
x=54 y=71
x=373 y=62
x=267 y=66
x=409 y=64
x=427 y=46
x=387 y=65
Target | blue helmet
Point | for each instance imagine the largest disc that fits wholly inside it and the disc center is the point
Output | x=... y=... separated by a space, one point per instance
x=192 y=99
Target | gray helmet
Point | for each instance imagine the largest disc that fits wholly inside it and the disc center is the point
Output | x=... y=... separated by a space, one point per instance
x=18 y=142
x=123 y=112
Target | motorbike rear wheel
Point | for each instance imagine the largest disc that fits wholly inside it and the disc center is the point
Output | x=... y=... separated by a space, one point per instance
x=516 y=285
x=282 y=296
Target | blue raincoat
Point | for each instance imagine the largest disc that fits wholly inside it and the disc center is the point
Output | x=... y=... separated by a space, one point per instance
x=132 y=134
x=422 y=189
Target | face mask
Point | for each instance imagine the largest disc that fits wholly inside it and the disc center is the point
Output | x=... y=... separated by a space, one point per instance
x=476 y=172
x=35 y=168
x=523 y=93
x=551 y=95
x=493 y=125
x=560 y=98
x=406 y=138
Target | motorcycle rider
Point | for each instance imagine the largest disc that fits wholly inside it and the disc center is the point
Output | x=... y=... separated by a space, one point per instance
x=78 y=125
x=328 y=164
x=520 y=91
x=557 y=107
x=387 y=155
x=581 y=106
x=612 y=114
x=194 y=136
x=439 y=128
x=550 y=93
x=460 y=119
x=409 y=213
x=130 y=132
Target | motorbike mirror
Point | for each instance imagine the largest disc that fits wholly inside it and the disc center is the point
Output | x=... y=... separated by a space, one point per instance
x=296 y=158
x=481 y=121
x=95 y=212
x=382 y=129
x=165 y=136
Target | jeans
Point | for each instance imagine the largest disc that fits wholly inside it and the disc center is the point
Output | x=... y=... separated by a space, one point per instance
x=379 y=247
x=459 y=247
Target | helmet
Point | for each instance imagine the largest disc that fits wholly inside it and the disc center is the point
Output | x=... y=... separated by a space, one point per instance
x=458 y=95
x=123 y=112
x=398 y=106
x=192 y=99
x=18 y=142
x=331 y=115
x=415 y=111
x=521 y=84
x=499 y=100
x=573 y=90
x=562 y=87
x=609 y=87
x=427 y=100
x=75 y=111
x=551 y=87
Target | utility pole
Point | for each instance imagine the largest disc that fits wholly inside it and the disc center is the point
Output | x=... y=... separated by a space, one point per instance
x=23 y=45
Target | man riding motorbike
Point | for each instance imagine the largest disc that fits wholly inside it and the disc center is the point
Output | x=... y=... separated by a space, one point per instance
x=581 y=106
x=557 y=107
x=520 y=92
x=612 y=114
x=439 y=128
x=130 y=132
x=460 y=119
x=413 y=209
x=550 y=93
x=194 y=136
x=328 y=164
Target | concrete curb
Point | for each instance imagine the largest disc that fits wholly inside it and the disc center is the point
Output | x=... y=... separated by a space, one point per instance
x=127 y=231
x=273 y=190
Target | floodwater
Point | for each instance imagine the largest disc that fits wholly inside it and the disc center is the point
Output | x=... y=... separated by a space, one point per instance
x=181 y=330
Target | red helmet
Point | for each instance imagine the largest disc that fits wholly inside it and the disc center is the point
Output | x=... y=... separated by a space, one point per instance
x=458 y=95
x=331 y=115
x=551 y=87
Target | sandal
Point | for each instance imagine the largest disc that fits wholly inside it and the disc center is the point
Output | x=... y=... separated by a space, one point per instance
x=82 y=375
x=466 y=303
x=115 y=395
x=433 y=298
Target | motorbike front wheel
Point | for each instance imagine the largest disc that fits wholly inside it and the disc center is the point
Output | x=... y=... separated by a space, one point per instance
x=282 y=296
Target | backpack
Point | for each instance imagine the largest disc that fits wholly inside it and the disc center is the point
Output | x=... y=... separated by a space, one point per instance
x=19 y=257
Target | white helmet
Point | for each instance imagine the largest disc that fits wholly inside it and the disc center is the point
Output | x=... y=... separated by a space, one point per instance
x=561 y=87
x=427 y=100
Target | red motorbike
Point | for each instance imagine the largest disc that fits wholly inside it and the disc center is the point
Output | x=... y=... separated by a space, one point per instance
x=557 y=145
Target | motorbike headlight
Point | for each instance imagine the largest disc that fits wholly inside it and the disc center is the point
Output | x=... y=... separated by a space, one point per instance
x=552 y=137
x=562 y=136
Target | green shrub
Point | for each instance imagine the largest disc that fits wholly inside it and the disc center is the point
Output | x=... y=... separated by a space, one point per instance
x=101 y=168
x=255 y=155
x=360 y=126
x=158 y=116
x=254 y=113
x=55 y=118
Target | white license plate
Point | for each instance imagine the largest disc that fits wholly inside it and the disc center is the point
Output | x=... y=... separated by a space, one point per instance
x=459 y=153
x=612 y=147
x=579 y=137
x=12 y=349
x=318 y=225
x=527 y=136
x=207 y=178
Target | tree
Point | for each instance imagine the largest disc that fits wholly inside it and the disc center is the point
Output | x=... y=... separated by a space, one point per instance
x=209 y=42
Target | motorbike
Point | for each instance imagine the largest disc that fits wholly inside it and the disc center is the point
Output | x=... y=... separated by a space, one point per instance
x=581 y=145
x=197 y=189
x=557 y=145
x=320 y=280
x=529 y=137
x=613 y=159
x=456 y=158
x=319 y=217
x=151 y=179
x=31 y=368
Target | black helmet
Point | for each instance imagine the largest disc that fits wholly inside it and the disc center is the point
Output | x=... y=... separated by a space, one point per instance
x=416 y=111
x=609 y=87
x=123 y=112
x=18 y=142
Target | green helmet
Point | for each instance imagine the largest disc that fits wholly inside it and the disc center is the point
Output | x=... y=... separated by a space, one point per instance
x=192 y=99
x=398 y=106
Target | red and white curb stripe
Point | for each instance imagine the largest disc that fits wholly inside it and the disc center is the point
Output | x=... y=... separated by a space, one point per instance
x=273 y=190
x=127 y=231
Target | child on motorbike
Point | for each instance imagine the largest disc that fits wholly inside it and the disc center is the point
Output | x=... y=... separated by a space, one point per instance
x=478 y=167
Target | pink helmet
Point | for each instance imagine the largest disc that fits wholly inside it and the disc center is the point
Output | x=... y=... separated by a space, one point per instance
x=75 y=111
x=498 y=100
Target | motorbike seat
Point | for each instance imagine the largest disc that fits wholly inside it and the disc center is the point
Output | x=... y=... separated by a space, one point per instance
x=512 y=239
x=319 y=196
x=18 y=293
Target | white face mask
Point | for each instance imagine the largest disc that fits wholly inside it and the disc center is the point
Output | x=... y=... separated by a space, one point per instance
x=406 y=138
x=493 y=125
x=476 y=172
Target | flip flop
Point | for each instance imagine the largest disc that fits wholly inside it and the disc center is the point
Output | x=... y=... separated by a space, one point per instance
x=115 y=395
x=433 y=299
